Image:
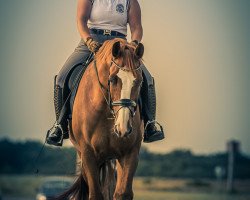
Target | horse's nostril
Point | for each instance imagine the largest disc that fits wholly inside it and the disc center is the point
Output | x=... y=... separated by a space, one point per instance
x=129 y=131
x=116 y=130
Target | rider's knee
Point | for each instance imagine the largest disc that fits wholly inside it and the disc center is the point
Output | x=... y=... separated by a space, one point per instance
x=59 y=80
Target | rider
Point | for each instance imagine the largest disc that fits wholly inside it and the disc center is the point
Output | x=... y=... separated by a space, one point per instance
x=98 y=21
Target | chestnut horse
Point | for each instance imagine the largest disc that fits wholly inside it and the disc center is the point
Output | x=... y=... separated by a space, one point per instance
x=106 y=123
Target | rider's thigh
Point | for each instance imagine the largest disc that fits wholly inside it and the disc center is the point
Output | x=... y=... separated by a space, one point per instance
x=79 y=56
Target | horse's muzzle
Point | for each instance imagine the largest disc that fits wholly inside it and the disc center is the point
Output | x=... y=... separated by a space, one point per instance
x=128 y=107
x=122 y=133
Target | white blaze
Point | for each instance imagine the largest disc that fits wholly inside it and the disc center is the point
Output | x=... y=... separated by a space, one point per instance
x=127 y=79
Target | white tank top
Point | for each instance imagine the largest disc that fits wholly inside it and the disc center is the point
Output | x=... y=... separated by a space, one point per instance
x=110 y=15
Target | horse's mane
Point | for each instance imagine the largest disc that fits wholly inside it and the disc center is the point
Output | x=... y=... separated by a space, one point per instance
x=127 y=52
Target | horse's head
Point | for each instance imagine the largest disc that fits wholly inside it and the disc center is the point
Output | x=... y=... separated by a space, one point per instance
x=125 y=80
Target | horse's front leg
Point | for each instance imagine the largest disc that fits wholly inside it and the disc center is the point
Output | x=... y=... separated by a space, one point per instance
x=91 y=174
x=126 y=168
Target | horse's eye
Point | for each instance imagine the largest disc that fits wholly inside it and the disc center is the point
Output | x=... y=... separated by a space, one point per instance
x=113 y=80
x=137 y=83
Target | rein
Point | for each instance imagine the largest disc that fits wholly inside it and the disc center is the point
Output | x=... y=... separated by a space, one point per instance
x=124 y=103
x=103 y=87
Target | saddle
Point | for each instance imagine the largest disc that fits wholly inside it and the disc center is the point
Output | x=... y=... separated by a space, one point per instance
x=70 y=87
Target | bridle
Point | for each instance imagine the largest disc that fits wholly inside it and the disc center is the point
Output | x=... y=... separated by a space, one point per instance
x=123 y=103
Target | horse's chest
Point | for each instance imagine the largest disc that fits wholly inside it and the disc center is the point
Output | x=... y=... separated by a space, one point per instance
x=112 y=146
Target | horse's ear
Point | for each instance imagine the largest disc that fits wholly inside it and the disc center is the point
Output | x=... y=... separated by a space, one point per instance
x=116 y=50
x=139 y=51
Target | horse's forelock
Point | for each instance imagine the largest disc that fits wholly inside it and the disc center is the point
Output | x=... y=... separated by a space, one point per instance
x=129 y=58
x=106 y=50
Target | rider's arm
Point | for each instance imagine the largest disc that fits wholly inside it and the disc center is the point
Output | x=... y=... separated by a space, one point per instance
x=134 y=20
x=83 y=13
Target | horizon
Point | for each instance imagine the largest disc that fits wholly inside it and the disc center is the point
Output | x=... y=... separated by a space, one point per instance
x=197 y=51
x=69 y=145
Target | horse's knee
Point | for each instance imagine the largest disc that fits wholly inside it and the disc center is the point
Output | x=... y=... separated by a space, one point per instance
x=124 y=196
x=96 y=197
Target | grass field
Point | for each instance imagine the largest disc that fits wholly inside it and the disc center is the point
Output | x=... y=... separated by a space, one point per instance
x=144 y=188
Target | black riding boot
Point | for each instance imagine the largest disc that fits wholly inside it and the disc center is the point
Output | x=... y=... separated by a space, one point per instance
x=59 y=131
x=148 y=96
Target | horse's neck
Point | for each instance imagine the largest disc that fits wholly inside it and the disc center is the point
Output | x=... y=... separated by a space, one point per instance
x=101 y=73
x=93 y=90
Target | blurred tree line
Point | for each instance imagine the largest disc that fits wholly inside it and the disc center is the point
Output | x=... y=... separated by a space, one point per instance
x=22 y=158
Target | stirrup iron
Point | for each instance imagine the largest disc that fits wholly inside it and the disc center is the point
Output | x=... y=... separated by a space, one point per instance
x=153 y=122
x=51 y=130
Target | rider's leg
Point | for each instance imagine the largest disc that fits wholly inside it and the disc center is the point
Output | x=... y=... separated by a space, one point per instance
x=148 y=96
x=59 y=131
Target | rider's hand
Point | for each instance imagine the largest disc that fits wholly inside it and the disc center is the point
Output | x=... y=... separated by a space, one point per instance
x=92 y=45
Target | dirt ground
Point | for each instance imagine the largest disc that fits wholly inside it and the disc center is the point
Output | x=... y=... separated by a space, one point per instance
x=25 y=187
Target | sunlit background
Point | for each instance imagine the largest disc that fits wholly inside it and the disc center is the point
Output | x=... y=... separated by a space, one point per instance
x=198 y=52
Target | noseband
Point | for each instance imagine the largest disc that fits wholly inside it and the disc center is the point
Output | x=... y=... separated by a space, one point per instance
x=123 y=103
